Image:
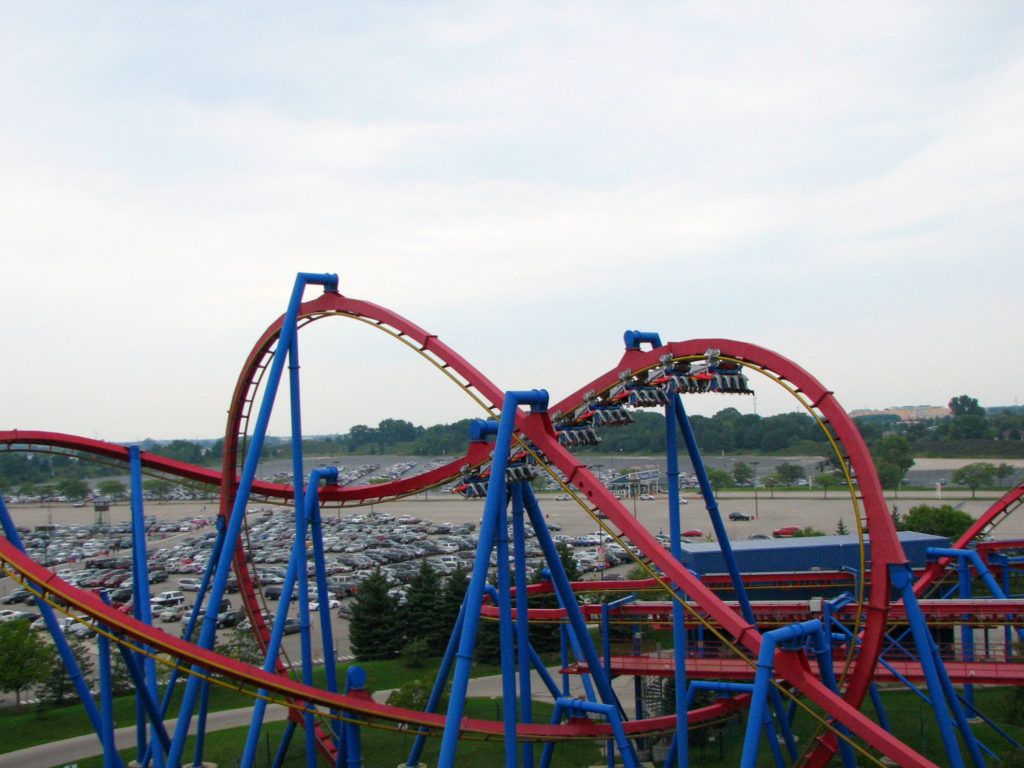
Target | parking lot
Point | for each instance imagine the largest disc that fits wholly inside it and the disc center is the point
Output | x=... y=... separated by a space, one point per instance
x=395 y=537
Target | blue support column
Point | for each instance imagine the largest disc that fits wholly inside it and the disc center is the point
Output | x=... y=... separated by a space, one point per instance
x=568 y=601
x=248 y=476
x=711 y=503
x=59 y=641
x=606 y=647
x=297 y=560
x=354 y=681
x=760 y=714
x=966 y=630
x=286 y=741
x=493 y=508
x=110 y=756
x=674 y=413
x=141 y=608
x=522 y=619
x=436 y=692
x=505 y=631
x=902 y=580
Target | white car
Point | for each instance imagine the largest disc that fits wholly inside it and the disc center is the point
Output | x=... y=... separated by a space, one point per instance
x=331 y=604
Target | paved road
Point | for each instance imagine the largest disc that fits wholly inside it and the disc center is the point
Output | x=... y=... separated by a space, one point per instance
x=61 y=753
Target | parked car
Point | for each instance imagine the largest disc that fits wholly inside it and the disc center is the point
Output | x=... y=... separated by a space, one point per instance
x=331 y=604
x=291 y=626
x=230 y=619
x=738 y=516
x=174 y=612
x=19 y=595
x=785 y=532
x=693 y=533
x=189 y=585
x=273 y=592
x=167 y=599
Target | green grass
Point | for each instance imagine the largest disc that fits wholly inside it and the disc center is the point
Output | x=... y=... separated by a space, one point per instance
x=380 y=748
x=911 y=719
x=27 y=726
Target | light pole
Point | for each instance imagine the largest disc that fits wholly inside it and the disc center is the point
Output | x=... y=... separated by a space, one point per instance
x=754 y=465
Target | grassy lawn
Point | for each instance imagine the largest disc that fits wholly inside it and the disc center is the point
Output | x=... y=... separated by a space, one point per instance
x=910 y=716
x=28 y=726
x=380 y=748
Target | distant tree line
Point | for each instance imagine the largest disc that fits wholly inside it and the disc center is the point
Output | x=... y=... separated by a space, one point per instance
x=970 y=431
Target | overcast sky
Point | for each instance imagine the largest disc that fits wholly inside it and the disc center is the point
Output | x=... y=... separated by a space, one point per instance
x=839 y=182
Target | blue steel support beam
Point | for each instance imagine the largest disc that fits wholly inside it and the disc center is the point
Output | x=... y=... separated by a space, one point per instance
x=493 y=507
x=110 y=755
x=821 y=646
x=330 y=475
x=760 y=715
x=568 y=602
x=436 y=692
x=59 y=641
x=606 y=643
x=505 y=631
x=522 y=619
x=208 y=635
x=355 y=680
x=902 y=580
x=286 y=741
x=579 y=708
x=298 y=557
x=674 y=414
x=711 y=503
x=141 y=607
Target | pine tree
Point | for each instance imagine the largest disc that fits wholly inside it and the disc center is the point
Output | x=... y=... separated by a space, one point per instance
x=453 y=592
x=420 y=612
x=375 y=629
x=841 y=528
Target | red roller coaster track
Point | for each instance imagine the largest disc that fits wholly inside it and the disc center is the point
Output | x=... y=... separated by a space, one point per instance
x=537 y=431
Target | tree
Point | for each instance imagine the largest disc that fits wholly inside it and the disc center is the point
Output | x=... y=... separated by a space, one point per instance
x=742 y=473
x=892 y=460
x=974 y=475
x=58 y=686
x=375 y=628
x=115 y=489
x=1002 y=471
x=719 y=478
x=420 y=612
x=789 y=474
x=841 y=528
x=241 y=644
x=969 y=419
x=416 y=693
x=826 y=480
x=938 y=521
x=158 y=488
x=452 y=594
x=27 y=660
x=73 y=488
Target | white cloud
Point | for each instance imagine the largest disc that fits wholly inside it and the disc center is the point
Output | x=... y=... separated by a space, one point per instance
x=528 y=181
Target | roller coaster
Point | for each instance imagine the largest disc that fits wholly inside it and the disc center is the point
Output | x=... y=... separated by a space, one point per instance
x=776 y=662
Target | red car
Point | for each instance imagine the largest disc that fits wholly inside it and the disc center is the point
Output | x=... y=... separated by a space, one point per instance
x=693 y=533
x=785 y=532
